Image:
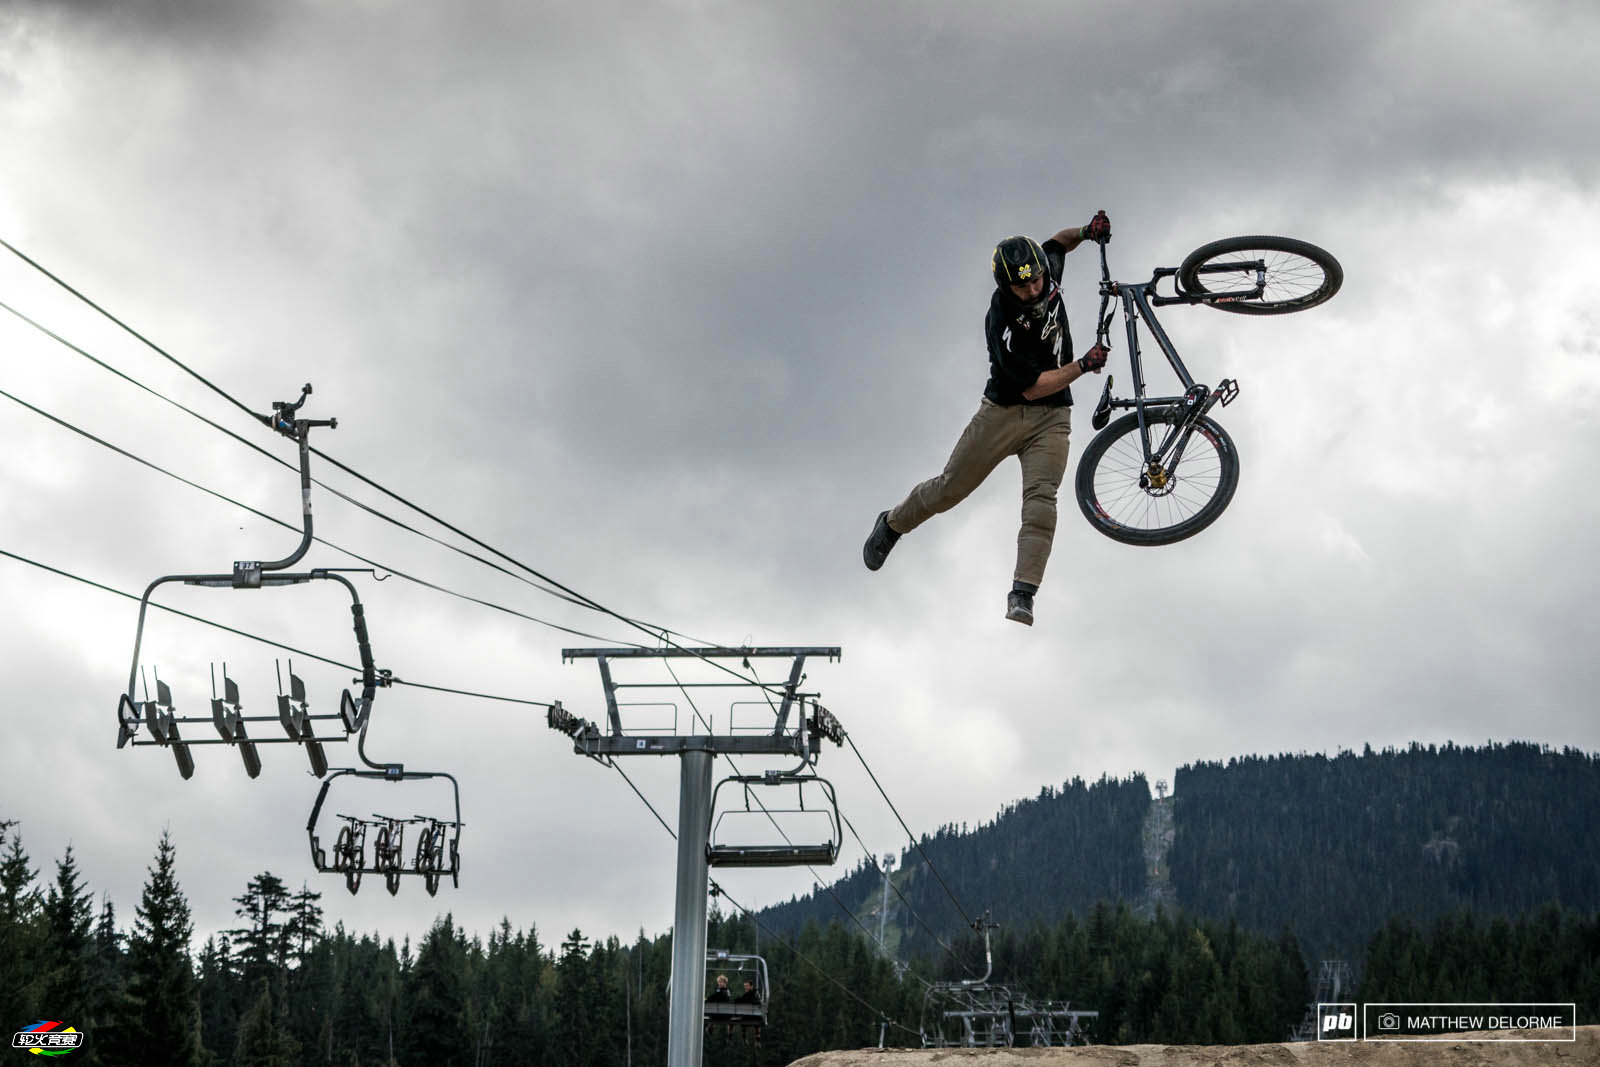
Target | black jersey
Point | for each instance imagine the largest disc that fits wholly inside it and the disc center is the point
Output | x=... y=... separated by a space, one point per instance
x=1021 y=346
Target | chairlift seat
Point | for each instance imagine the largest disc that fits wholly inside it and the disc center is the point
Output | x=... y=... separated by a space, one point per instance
x=230 y=726
x=721 y=852
x=741 y=1014
x=771 y=855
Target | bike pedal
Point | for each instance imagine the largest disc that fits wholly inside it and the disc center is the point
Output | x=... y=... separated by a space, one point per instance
x=1227 y=391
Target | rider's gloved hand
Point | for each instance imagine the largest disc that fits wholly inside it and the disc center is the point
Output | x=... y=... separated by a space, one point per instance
x=1099 y=228
x=1094 y=359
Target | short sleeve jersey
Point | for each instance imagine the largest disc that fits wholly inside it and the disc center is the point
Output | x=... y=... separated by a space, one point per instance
x=1022 y=347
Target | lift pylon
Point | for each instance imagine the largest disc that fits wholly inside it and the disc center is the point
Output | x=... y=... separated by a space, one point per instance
x=792 y=725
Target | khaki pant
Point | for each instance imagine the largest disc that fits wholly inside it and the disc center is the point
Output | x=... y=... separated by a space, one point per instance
x=1038 y=436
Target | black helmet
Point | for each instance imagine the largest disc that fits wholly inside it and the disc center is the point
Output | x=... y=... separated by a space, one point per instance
x=1018 y=261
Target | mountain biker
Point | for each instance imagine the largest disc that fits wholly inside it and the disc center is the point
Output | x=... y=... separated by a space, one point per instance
x=1024 y=411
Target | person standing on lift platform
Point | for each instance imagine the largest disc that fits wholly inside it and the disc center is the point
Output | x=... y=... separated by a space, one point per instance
x=1025 y=410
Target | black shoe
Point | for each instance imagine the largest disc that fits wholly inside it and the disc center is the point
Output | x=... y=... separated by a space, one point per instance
x=1019 y=607
x=882 y=539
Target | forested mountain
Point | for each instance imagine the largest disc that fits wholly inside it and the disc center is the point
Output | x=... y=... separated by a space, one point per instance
x=1040 y=859
x=1328 y=847
x=1446 y=873
x=1334 y=847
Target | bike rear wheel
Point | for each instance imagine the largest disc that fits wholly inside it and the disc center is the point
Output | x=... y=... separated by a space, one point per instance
x=342 y=849
x=1129 y=503
x=1299 y=275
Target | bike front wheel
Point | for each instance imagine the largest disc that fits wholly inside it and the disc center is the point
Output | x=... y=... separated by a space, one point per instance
x=1299 y=275
x=1140 y=504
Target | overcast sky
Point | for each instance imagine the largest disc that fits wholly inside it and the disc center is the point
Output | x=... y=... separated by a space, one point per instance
x=670 y=300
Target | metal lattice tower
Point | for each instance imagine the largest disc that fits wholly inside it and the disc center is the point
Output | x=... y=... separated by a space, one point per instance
x=1334 y=978
x=787 y=730
x=883 y=906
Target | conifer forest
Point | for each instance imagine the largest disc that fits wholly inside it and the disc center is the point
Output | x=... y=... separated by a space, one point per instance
x=1442 y=874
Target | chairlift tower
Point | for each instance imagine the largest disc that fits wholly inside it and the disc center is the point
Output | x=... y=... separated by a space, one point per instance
x=883 y=905
x=792 y=725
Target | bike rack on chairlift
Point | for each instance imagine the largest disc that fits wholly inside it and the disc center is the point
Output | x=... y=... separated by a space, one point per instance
x=438 y=851
x=160 y=716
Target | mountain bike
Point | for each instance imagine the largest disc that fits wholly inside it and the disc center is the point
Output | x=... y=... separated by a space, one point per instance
x=350 y=850
x=1166 y=470
x=388 y=854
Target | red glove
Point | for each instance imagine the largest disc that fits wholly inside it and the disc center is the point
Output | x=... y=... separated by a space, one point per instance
x=1099 y=228
x=1094 y=359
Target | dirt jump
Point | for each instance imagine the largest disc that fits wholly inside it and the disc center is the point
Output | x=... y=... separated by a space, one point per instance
x=1461 y=1050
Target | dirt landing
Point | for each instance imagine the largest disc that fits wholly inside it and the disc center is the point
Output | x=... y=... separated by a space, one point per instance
x=1454 y=1053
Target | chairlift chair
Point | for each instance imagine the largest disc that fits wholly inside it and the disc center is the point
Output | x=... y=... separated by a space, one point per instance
x=722 y=852
x=739 y=968
x=159 y=717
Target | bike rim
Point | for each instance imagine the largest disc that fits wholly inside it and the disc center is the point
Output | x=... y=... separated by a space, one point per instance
x=1291 y=277
x=1121 y=500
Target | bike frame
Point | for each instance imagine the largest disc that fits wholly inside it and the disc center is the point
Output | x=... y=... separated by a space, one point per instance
x=1139 y=300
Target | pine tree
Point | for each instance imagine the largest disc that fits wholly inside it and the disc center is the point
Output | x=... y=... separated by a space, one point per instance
x=69 y=948
x=437 y=1032
x=106 y=976
x=159 y=1009
x=262 y=1041
x=262 y=946
x=21 y=928
x=218 y=990
x=572 y=1036
x=303 y=930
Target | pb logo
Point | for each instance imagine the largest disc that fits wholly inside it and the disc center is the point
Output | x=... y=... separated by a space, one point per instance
x=1336 y=1022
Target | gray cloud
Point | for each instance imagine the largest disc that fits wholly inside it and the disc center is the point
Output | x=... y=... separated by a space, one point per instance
x=671 y=299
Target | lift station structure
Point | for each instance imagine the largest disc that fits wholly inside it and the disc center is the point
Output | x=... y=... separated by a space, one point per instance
x=785 y=722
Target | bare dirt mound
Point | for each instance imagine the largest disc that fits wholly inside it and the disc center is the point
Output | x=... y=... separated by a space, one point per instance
x=1457 y=1052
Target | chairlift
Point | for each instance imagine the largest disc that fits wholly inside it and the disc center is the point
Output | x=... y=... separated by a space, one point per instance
x=722 y=851
x=734 y=1006
x=159 y=717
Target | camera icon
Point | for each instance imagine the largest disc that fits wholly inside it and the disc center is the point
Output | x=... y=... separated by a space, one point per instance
x=1388 y=1021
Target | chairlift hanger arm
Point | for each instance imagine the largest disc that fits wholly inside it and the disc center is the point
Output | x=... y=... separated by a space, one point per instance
x=247 y=574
